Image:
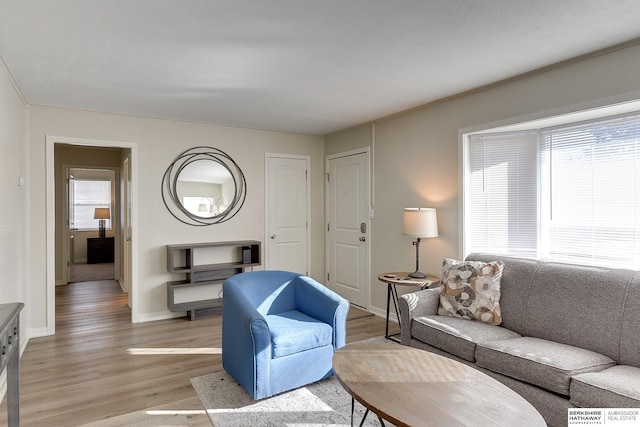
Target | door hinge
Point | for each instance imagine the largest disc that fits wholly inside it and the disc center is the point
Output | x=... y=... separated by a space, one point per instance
x=327 y=177
x=328 y=227
x=306 y=174
x=328 y=279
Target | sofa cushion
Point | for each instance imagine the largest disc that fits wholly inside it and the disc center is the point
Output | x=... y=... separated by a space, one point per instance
x=616 y=387
x=578 y=305
x=514 y=287
x=471 y=290
x=455 y=335
x=294 y=331
x=547 y=364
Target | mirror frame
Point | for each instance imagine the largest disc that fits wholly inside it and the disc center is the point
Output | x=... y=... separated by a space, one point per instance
x=170 y=181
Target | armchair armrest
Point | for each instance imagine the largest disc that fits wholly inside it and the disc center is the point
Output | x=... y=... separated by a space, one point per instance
x=246 y=339
x=416 y=304
x=320 y=302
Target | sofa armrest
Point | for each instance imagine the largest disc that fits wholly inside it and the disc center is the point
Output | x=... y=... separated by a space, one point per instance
x=416 y=304
x=318 y=301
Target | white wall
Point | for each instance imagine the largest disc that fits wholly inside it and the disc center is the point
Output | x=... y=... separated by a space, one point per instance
x=13 y=229
x=158 y=142
x=13 y=232
x=416 y=153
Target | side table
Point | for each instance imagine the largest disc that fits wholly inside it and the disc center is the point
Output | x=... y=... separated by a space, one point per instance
x=402 y=279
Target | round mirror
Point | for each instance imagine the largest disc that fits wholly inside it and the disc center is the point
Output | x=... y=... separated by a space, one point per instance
x=203 y=186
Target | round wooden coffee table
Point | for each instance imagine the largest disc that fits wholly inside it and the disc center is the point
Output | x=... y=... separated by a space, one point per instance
x=411 y=387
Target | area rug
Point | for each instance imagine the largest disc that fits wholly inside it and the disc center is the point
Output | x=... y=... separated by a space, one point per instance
x=324 y=403
x=92 y=272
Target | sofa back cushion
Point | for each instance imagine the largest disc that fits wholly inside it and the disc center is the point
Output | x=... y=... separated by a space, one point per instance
x=629 y=332
x=577 y=305
x=514 y=287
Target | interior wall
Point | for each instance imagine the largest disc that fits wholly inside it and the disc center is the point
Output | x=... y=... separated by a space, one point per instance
x=158 y=143
x=416 y=154
x=13 y=227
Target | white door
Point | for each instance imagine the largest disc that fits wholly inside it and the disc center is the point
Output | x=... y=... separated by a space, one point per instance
x=348 y=226
x=287 y=213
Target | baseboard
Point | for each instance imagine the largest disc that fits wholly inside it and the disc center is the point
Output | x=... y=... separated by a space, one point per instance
x=383 y=313
x=35 y=333
x=164 y=315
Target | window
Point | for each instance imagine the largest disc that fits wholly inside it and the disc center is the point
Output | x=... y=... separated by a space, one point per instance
x=568 y=193
x=88 y=194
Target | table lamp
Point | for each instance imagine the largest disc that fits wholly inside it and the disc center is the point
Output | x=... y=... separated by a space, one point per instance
x=102 y=214
x=420 y=223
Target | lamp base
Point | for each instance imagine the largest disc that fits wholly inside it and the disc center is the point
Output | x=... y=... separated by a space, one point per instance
x=417 y=275
x=101 y=229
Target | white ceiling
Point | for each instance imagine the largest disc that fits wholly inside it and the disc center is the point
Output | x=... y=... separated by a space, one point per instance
x=306 y=66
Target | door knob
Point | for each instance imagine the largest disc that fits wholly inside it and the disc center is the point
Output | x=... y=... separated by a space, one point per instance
x=363 y=239
x=273 y=236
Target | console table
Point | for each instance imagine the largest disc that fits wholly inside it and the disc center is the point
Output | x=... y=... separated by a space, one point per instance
x=10 y=357
x=181 y=259
x=100 y=249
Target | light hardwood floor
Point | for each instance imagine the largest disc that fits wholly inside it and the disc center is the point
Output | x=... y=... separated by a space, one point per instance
x=101 y=370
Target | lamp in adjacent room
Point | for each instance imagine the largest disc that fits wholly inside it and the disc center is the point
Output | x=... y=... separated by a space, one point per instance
x=101 y=214
x=420 y=223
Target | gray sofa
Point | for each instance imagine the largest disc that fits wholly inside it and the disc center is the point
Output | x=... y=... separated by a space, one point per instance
x=569 y=337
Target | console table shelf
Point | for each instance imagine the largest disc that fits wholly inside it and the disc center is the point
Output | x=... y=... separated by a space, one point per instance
x=183 y=259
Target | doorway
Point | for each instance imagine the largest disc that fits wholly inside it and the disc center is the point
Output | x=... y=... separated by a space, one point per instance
x=126 y=150
x=91 y=193
x=348 y=226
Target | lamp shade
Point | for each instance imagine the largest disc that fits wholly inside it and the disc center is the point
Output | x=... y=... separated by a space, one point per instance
x=101 y=213
x=420 y=222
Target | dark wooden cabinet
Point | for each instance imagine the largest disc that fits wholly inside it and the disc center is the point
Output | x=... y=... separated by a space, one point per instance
x=100 y=250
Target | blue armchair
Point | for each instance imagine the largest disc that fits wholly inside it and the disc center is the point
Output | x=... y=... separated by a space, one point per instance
x=279 y=330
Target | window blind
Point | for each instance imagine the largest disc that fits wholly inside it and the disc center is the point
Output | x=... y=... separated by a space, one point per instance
x=591 y=198
x=88 y=195
x=502 y=194
x=569 y=193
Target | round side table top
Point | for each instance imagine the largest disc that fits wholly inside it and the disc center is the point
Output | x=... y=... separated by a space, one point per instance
x=402 y=278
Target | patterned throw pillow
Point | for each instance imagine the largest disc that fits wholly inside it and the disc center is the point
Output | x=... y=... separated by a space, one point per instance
x=471 y=290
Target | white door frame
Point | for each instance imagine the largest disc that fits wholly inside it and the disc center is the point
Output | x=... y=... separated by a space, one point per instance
x=367 y=151
x=307 y=159
x=50 y=141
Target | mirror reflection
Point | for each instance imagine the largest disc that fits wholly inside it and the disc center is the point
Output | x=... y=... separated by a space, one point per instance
x=204 y=188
